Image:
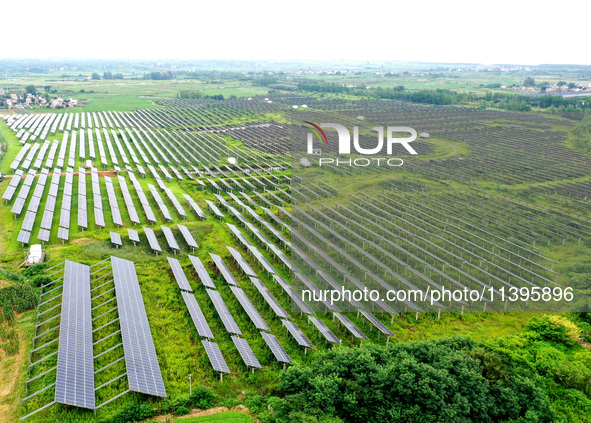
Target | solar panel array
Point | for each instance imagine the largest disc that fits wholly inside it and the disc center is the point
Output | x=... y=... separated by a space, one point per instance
x=131 y=210
x=113 y=203
x=241 y=262
x=188 y=237
x=252 y=312
x=351 y=326
x=246 y=352
x=321 y=326
x=374 y=321
x=202 y=272
x=75 y=359
x=143 y=199
x=116 y=238
x=163 y=207
x=179 y=274
x=297 y=334
x=143 y=370
x=82 y=203
x=154 y=245
x=222 y=310
x=99 y=216
x=195 y=206
x=273 y=303
x=197 y=315
x=170 y=239
x=226 y=273
x=276 y=347
x=215 y=356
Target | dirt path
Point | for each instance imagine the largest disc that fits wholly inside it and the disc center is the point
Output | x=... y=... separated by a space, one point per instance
x=196 y=412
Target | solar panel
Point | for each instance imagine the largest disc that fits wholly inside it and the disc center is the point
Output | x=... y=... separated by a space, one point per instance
x=351 y=326
x=29 y=221
x=250 y=309
x=241 y=262
x=143 y=370
x=374 y=321
x=276 y=347
x=154 y=245
x=215 y=356
x=82 y=217
x=116 y=238
x=53 y=189
x=9 y=193
x=227 y=319
x=202 y=272
x=18 y=205
x=195 y=207
x=24 y=236
x=262 y=259
x=228 y=276
x=295 y=297
x=197 y=315
x=273 y=303
x=50 y=203
x=43 y=235
x=99 y=217
x=328 y=334
x=179 y=274
x=170 y=239
x=133 y=235
x=246 y=352
x=74 y=383
x=63 y=233
x=215 y=209
x=65 y=218
x=297 y=334
x=188 y=236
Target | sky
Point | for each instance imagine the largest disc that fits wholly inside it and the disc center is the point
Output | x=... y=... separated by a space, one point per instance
x=517 y=31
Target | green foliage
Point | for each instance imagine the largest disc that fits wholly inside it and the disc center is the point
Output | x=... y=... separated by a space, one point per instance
x=229 y=417
x=202 y=397
x=18 y=297
x=582 y=134
x=443 y=380
x=550 y=329
x=132 y=413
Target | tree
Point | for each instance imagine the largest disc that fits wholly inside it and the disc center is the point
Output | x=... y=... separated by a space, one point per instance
x=529 y=82
x=31 y=89
x=450 y=380
x=95 y=76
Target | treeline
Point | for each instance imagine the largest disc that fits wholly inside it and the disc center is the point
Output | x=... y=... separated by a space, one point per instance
x=159 y=76
x=216 y=75
x=329 y=87
x=111 y=75
x=437 y=96
x=199 y=94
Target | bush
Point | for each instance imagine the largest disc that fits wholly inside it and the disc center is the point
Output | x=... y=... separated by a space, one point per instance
x=202 y=397
x=39 y=280
x=132 y=412
x=181 y=411
x=554 y=329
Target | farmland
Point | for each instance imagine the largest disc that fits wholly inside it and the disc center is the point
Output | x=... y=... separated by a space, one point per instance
x=192 y=224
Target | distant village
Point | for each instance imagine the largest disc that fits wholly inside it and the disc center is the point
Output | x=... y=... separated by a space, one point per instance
x=29 y=100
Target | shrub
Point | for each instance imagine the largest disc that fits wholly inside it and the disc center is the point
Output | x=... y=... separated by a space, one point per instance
x=132 y=412
x=202 y=397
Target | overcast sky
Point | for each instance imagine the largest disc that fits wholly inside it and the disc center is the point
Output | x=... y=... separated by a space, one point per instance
x=506 y=31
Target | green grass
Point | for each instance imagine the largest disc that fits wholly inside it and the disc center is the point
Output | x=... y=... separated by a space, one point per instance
x=228 y=417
